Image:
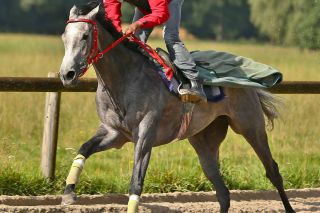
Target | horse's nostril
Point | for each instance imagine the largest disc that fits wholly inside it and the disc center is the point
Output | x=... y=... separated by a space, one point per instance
x=70 y=75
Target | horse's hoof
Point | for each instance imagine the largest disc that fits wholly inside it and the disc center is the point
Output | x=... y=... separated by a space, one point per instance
x=69 y=199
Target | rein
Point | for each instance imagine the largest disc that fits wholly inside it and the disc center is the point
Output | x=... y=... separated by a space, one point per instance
x=95 y=53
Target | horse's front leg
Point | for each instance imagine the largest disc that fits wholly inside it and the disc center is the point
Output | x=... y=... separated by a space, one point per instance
x=145 y=136
x=105 y=138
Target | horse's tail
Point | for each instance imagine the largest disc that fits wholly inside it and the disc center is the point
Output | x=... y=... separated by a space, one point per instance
x=270 y=104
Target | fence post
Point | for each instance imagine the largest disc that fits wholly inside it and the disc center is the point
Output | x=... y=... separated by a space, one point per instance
x=50 y=132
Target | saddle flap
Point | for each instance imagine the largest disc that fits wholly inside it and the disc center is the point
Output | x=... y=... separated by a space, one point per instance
x=176 y=72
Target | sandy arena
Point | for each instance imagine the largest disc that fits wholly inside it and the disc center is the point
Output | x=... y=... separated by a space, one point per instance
x=305 y=200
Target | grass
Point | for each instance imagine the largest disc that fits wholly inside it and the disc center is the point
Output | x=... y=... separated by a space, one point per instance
x=294 y=142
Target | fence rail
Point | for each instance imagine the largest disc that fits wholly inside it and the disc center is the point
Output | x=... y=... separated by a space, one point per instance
x=43 y=84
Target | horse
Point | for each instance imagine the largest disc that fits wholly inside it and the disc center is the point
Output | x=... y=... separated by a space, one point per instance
x=134 y=105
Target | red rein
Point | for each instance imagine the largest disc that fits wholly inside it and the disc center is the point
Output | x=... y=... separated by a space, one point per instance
x=96 y=54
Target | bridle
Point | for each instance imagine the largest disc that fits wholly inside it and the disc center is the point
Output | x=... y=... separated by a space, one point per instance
x=95 y=54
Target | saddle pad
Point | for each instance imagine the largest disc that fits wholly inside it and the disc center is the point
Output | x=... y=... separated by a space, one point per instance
x=213 y=93
x=228 y=70
x=222 y=69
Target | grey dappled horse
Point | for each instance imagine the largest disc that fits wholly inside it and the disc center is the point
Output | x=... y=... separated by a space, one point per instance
x=134 y=105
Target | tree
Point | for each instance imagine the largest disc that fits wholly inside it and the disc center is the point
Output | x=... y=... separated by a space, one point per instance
x=295 y=22
x=271 y=17
x=220 y=19
x=304 y=30
x=35 y=16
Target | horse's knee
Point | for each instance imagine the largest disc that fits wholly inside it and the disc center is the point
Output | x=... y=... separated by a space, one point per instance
x=100 y=143
x=85 y=150
x=88 y=148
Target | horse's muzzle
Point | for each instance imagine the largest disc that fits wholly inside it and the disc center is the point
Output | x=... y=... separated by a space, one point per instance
x=70 y=79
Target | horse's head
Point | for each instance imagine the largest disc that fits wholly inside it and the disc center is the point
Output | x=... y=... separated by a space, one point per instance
x=78 y=43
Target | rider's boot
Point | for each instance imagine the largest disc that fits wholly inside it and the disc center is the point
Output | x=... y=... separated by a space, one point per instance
x=194 y=94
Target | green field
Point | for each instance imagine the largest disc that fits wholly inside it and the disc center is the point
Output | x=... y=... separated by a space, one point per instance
x=295 y=141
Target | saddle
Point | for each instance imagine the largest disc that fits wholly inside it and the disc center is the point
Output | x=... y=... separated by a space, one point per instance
x=179 y=81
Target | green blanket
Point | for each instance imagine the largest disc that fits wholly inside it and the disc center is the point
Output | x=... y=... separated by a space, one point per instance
x=225 y=69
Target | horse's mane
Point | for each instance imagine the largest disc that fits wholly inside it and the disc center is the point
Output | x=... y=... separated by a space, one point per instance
x=105 y=23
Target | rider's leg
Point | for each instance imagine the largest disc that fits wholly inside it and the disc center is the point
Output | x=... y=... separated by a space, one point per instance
x=142 y=34
x=179 y=53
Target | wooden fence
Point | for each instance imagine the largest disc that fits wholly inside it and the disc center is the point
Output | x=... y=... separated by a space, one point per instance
x=42 y=84
x=53 y=86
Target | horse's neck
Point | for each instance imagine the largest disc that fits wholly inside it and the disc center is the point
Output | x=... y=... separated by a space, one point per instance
x=117 y=69
x=115 y=66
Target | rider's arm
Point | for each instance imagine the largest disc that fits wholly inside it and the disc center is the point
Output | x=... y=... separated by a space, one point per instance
x=112 y=10
x=159 y=14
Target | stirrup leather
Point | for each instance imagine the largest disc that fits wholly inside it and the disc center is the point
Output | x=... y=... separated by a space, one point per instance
x=165 y=56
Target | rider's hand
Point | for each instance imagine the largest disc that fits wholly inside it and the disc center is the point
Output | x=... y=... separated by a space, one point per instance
x=132 y=28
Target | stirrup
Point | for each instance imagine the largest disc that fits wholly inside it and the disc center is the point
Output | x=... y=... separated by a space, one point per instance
x=187 y=95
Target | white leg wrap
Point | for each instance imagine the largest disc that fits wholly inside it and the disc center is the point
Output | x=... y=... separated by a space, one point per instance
x=76 y=168
x=133 y=203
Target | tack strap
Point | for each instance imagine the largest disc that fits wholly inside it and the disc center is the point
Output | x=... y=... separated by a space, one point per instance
x=154 y=55
x=96 y=54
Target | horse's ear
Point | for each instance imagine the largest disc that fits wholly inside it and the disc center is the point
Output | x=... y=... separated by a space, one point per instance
x=93 y=13
x=73 y=12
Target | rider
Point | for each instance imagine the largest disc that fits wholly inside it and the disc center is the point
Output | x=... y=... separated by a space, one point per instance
x=150 y=13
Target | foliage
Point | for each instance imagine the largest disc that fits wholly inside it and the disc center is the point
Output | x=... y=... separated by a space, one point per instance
x=35 y=16
x=228 y=19
x=294 y=23
x=220 y=19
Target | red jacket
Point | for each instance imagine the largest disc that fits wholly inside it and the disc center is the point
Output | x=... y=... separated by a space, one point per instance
x=158 y=15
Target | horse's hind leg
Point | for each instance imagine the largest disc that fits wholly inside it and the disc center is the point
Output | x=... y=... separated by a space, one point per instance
x=104 y=139
x=206 y=144
x=254 y=132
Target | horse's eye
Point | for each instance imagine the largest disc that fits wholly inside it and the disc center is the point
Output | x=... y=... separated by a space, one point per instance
x=85 y=37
